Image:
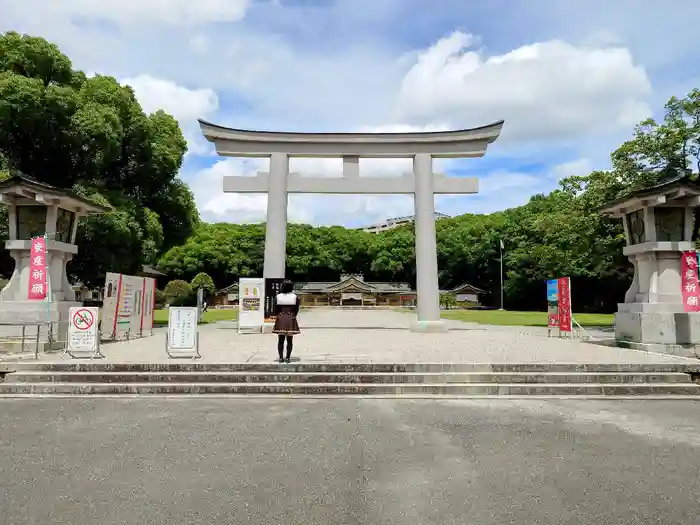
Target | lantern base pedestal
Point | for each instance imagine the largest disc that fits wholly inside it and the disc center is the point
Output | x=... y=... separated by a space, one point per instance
x=690 y=351
x=35 y=317
x=59 y=255
x=658 y=328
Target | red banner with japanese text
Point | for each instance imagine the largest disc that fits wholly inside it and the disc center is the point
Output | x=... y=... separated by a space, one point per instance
x=690 y=288
x=37 y=270
x=564 y=296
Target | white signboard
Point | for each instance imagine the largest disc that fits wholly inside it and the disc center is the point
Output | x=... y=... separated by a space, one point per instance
x=128 y=306
x=83 y=335
x=251 y=304
x=182 y=331
x=148 y=302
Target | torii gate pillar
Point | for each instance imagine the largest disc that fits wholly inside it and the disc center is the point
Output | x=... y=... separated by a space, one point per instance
x=275 y=260
x=423 y=184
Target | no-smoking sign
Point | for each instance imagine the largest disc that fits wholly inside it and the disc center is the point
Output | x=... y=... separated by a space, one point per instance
x=83 y=319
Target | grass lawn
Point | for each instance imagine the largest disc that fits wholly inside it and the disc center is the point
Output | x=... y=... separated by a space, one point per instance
x=160 y=317
x=506 y=318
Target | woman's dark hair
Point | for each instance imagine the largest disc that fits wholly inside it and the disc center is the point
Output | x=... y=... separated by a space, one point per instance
x=287 y=286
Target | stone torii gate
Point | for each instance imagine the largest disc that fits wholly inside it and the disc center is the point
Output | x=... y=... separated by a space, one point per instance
x=422 y=147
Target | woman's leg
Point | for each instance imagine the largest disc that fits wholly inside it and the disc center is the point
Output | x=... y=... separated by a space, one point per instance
x=280 y=346
x=290 y=345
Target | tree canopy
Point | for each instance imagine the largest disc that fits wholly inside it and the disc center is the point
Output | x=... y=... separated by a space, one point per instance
x=89 y=134
x=178 y=292
x=204 y=281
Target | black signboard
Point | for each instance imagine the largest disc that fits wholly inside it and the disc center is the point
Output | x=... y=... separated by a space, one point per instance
x=272 y=288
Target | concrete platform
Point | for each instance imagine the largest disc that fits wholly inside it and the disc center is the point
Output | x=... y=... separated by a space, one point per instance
x=381 y=336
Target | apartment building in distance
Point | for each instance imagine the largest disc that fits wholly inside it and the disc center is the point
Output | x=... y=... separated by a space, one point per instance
x=397 y=221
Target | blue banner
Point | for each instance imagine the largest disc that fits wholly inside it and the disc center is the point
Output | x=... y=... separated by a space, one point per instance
x=552 y=289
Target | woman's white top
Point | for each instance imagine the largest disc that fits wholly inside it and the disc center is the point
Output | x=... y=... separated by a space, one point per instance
x=287 y=299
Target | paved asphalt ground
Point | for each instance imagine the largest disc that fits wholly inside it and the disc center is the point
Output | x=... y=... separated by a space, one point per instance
x=255 y=461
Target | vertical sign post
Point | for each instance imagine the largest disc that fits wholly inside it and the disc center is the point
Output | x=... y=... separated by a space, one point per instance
x=83 y=335
x=49 y=328
x=690 y=287
x=200 y=302
x=564 y=304
x=182 y=337
x=501 y=244
x=552 y=306
x=272 y=288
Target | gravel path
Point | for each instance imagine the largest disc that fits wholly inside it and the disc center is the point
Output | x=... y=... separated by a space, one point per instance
x=382 y=336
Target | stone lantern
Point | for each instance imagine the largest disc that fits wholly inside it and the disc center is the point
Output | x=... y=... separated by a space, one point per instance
x=658 y=224
x=35 y=209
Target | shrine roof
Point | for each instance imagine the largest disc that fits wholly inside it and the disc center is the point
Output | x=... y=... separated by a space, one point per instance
x=466 y=287
x=339 y=286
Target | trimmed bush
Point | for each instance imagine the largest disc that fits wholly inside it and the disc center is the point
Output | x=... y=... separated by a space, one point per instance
x=179 y=293
x=204 y=281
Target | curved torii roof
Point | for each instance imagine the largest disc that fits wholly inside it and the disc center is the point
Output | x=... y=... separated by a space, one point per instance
x=251 y=143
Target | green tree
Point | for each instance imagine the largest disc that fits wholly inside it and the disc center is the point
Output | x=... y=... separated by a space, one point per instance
x=178 y=292
x=204 y=281
x=227 y=252
x=90 y=134
x=161 y=298
x=663 y=150
x=224 y=251
x=659 y=150
x=393 y=254
x=448 y=300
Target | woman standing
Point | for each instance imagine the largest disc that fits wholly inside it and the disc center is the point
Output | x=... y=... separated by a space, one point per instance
x=286 y=326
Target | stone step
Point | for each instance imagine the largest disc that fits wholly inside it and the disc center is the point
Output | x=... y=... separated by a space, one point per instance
x=368 y=368
x=344 y=377
x=327 y=389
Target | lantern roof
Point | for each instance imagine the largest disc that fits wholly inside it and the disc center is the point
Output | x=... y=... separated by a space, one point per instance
x=18 y=190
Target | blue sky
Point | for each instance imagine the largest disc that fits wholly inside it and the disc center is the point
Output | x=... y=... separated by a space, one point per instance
x=570 y=78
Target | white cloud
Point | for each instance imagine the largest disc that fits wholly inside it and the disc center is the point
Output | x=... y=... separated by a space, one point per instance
x=284 y=73
x=186 y=105
x=660 y=34
x=547 y=90
x=215 y=205
x=199 y=44
x=218 y=206
x=522 y=184
x=543 y=90
x=574 y=168
x=497 y=183
x=139 y=11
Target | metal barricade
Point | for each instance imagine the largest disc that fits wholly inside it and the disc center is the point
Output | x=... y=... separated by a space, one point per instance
x=27 y=335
